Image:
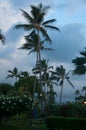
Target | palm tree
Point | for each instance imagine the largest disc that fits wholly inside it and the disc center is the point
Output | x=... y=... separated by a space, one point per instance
x=47 y=81
x=2 y=37
x=36 y=23
x=80 y=64
x=14 y=73
x=60 y=75
x=32 y=45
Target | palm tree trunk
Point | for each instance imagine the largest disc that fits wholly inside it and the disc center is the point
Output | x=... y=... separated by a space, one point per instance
x=61 y=95
x=40 y=71
x=35 y=78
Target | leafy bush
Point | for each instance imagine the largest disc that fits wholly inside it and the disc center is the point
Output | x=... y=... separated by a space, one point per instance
x=66 y=110
x=50 y=110
x=12 y=105
x=72 y=110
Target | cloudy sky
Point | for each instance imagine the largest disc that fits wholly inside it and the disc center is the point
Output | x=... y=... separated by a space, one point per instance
x=71 y=19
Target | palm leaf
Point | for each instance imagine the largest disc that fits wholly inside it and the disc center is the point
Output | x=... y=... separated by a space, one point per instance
x=24 y=26
x=69 y=82
x=44 y=32
x=10 y=71
x=27 y=16
x=49 y=21
x=52 y=27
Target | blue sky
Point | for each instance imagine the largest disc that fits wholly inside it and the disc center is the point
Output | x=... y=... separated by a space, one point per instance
x=71 y=19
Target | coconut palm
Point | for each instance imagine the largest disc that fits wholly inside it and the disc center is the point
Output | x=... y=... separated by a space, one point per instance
x=80 y=64
x=32 y=46
x=35 y=22
x=60 y=75
x=14 y=73
x=47 y=81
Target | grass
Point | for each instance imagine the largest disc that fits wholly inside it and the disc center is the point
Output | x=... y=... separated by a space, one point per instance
x=22 y=124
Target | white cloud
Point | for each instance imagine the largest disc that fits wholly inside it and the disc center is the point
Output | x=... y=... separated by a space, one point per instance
x=8 y=15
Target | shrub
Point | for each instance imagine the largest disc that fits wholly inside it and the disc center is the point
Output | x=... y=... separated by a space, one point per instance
x=12 y=105
x=66 y=110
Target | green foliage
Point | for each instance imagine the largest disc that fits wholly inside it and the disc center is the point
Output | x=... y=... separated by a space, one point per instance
x=6 y=88
x=65 y=123
x=26 y=84
x=80 y=64
x=66 y=110
x=12 y=105
x=50 y=109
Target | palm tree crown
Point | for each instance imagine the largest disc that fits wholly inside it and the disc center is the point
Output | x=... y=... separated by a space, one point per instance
x=14 y=73
x=36 y=20
x=80 y=64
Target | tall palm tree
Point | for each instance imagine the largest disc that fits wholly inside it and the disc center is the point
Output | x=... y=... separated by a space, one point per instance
x=32 y=46
x=35 y=22
x=80 y=64
x=2 y=37
x=14 y=73
x=60 y=75
x=47 y=81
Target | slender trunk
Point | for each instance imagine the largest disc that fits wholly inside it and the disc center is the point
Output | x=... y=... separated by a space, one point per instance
x=40 y=71
x=45 y=87
x=61 y=95
x=35 y=78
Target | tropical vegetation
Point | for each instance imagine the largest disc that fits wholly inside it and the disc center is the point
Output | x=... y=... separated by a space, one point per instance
x=33 y=95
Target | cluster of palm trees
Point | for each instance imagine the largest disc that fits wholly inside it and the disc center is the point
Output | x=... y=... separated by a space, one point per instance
x=36 y=26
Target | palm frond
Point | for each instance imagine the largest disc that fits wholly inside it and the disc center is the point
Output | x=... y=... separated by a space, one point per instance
x=70 y=82
x=44 y=33
x=27 y=16
x=52 y=27
x=49 y=21
x=33 y=50
x=61 y=82
x=24 y=26
x=48 y=49
x=10 y=71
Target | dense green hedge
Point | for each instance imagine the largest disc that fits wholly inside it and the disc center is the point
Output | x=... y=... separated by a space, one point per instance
x=67 y=123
